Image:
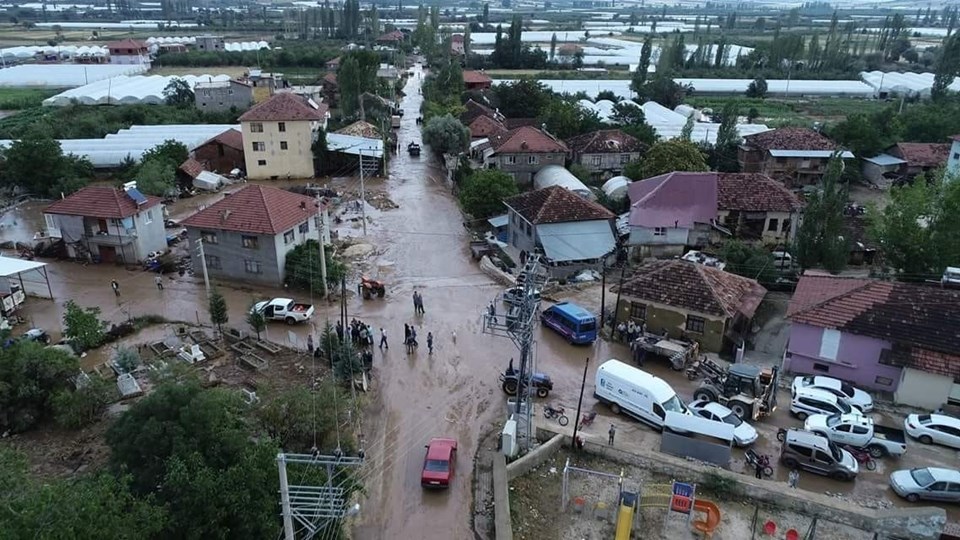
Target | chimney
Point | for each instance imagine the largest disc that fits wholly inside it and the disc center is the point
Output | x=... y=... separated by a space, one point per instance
x=303 y=205
x=224 y=214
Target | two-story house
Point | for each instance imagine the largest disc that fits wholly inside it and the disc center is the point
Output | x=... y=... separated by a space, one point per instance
x=891 y=336
x=246 y=235
x=797 y=155
x=523 y=151
x=671 y=212
x=210 y=43
x=953 y=162
x=753 y=206
x=690 y=301
x=217 y=96
x=571 y=232
x=606 y=152
x=128 y=51
x=105 y=224
x=278 y=136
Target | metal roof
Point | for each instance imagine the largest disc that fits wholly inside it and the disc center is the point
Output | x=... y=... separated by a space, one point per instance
x=349 y=144
x=498 y=221
x=577 y=240
x=809 y=153
x=885 y=160
x=10 y=266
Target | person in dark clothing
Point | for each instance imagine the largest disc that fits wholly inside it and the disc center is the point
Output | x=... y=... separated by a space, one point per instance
x=340 y=331
x=430 y=342
x=116 y=287
x=758 y=470
x=612 y=432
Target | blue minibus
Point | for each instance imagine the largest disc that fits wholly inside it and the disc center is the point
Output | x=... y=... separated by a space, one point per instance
x=574 y=323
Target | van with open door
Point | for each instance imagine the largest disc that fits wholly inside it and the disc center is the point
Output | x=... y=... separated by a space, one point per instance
x=636 y=393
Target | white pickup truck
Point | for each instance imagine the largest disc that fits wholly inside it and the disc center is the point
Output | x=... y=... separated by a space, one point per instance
x=284 y=309
x=860 y=432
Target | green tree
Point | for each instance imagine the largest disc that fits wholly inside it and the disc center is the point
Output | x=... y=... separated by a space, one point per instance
x=821 y=240
x=723 y=154
x=156 y=177
x=687 y=132
x=757 y=88
x=446 y=135
x=357 y=75
x=749 y=261
x=667 y=156
x=640 y=75
x=867 y=135
x=218 y=310
x=565 y=119
x=948 y=66
x=169 y=151
x=523 y=98
x=83 y=325
x=629 y=116
x=483 y=192
x=178 y=93
x=292 y=417
x=256 y=320
x=30 y=375
x=319 y=151
x=663 y=90
x=902 y=230
x=74 y=409
x=302 y=267
x=127 y=359
x=37 y=164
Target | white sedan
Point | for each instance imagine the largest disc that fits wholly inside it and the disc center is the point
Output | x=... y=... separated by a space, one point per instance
x=934 y=428
x=854 y=396
x=743 y=433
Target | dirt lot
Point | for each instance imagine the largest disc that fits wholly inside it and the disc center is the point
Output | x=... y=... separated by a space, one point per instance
x=535 y=506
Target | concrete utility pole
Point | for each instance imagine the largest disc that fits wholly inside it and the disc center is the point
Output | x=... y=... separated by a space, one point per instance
x=321 y=225
x=363 y=197
x=203 y=264
x=518 y=323
x=314 y=507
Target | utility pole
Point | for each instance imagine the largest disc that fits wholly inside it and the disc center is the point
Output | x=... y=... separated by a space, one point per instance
x=314 y=507
x=576 y=419
x=518 y=324
x=321 y=225
x=363 y=198
x=203 y=264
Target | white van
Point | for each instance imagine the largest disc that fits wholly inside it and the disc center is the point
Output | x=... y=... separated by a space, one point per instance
x=636 y=393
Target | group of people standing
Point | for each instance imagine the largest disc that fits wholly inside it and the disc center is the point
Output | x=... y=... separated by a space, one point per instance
x=410 y=331
x=627 y=332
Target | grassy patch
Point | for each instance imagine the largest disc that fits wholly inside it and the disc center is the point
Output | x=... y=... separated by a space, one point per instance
x=783 y=112
x=24 y=98
x=94 y=122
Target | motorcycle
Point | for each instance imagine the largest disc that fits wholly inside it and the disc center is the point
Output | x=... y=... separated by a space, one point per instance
x=556 y=412
x=587 y=419
x=781 y=434
x=763 y=460
x=862 y=456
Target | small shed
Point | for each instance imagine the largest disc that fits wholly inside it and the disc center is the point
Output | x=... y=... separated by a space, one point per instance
x=878 y=169
x=499 y=227
x=555 y=175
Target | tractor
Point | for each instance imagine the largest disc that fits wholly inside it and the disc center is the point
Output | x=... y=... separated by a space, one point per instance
x=748 y=391
x=372 y=287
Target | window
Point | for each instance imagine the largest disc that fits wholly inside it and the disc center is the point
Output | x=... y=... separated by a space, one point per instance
x=259 y=146
x=282 y=127
x=511 y=160
x=595 y=161
x=289 y=237
x=213 y=262
x=802 y=450
x=695 y=324
x=209 y=237
x=250 y=242
x=823 y=457
x=283 y=145
x=256 y=127
x=532 y=160
x=316 y=221
x=829 y=344
x=261 y=163
x=786 y=226
x=305 y=227
x=885 y=381
x=886 y=357
x=659 y=231
x=220 y=151
x=638 y=311
x=772 y=224
x=821 y=367
x=148 y=219
x=956 y=155
x=658 y=410
x=624 y=159
x=251 y=266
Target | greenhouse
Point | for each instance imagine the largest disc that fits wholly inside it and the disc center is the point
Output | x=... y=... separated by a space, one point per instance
x=621 y=87
x=111 y=151
x=555 y=175
x=902 y=84
x=124 y=90
x=64 y=75
x=230 y=46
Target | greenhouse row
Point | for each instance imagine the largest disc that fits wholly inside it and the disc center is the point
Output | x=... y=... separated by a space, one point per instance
x=64 y=75
x=796 y=88
x=61 y=51
x=114 y=149
x=903 y=84
x=126 y=90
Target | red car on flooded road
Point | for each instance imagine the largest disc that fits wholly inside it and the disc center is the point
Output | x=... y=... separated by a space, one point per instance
x=439 y=463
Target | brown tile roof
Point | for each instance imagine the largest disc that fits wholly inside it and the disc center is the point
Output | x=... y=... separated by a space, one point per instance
x=926 y=155
x=484 y=126
x=556 y=205
x=695 y=288
x=255 y=209
x=396 y=35
x=100 y=202
x=331 y=79
x=456 y=37
x=907 y=314
x=606 y=141
x=191 y=167
x=360 y=129
x=474 y=110
x=514 y=123
x=285 y=106
x=527 y=140
x=230 y=138
x=754 y=192
x=126 y=43
x=476 y=77
x=790 y=138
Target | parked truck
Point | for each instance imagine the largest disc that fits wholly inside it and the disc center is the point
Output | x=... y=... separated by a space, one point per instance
x=284 y=309
x=860 y=432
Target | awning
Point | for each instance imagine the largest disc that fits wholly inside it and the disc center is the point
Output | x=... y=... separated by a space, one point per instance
x=885 y=160
x=498 y=221
x=577 y=240
x=10 y=267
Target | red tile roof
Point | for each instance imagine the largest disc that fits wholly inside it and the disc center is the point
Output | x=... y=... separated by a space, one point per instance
x=192 y=167
x=255 y=209
x=695 y=288
x=474 y=109
x=555 y=204
x=456 y=37
x=285 y=106
x=230 y=138
x=126 y=43
x=754 y=192
x=476 y=77
x=514 y=123
x=906 y=314
x=396 y=35
x=926 y=155
x=100 y=202
x=790 y=138
x=330 y=79
x=484 y=126
x=527 y=140
x=360 y=129
x=606 y=141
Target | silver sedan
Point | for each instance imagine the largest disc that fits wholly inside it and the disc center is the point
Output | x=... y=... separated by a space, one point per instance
x=929 y=483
